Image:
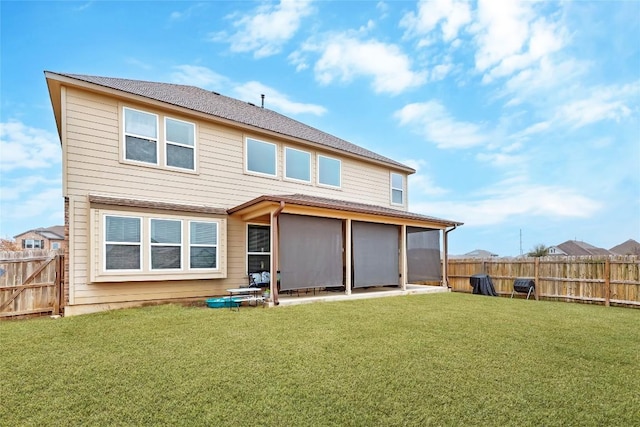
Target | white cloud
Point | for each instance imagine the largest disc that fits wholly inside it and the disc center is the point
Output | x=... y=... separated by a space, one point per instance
x=195 y=75
x=420 y=182
x=432 y=120
x=451 y=15
x=604 y=103
x=268 y=29
x=185 y=14
x=511 y=199
x=345 y=56
x=512 y=37
x=276 y=100
x=25 y=147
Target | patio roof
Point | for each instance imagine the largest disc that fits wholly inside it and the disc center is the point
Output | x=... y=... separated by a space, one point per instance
x=302 y=203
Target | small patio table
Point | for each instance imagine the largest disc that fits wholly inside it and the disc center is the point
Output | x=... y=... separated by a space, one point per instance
x=245 y=294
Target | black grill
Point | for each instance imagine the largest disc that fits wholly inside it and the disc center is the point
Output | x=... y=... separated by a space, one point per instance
x=524 y=286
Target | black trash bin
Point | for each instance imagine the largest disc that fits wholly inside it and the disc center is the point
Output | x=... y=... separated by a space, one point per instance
x=482 y=285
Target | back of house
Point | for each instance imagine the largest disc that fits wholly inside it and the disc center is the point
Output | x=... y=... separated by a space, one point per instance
x=173 y=192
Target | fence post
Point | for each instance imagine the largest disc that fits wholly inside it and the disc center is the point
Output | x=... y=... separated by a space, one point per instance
x=536 y=274
x=607 y=281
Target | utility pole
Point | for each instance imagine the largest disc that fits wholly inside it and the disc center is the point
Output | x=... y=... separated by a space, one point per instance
x=521 y=241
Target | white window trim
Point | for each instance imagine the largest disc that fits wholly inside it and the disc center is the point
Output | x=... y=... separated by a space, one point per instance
x=288 y=178
x=215 y=245
x=168 y=142
x=318 y=171
x=125 y=133
x=99 y=274
x=104 y=243
x=396 y=188
x=180 y=245
x=246 y=158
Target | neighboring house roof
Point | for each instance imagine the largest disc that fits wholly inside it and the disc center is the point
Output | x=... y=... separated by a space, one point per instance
x=630 y=247
x=55 y=232
x=576 y=248
x=216 y=105
x=479 y=253
x=341 y=205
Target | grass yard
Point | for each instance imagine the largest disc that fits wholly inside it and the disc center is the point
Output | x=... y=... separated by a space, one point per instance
x=440 y=359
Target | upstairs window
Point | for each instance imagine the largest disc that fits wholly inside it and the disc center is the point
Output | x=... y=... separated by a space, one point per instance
x=329 y=172
x=180 y=148
x=297 y=164
x=122 y=243
x=32 y=244
x=261 y=157
x=140 y=136
x=145 y=142
x=397 y=189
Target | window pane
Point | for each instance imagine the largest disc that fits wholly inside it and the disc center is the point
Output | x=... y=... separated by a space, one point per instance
x=140 y=123
x=180 y=157
x=396 y=181
x=180 y=132
x=204 y=233
x=259 y=263
x=122 y=229
x=328 y=171
x=261 y=157
x=203 y=257
x=396 y=196
x=122 y=257
x=166 y=231
x=141 y=150
x=165 y=257
x=259 y=238
x=298 y=164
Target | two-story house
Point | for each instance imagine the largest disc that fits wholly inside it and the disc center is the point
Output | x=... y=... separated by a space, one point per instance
x=175 y=192
x=49 y=238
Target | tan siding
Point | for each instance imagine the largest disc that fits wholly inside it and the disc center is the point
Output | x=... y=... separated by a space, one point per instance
x=93 y=166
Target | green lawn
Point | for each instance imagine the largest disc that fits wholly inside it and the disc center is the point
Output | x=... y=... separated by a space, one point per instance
x=440 y=359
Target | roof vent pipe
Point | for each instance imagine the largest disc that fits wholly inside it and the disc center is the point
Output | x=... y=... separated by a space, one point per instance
x=262 y=96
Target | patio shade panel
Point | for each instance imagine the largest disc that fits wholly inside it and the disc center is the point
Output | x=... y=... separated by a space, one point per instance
x=375 y=254
x=423 y=255
x=310 y=252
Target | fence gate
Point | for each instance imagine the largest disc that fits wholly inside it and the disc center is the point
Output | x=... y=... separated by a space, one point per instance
x=30 y=283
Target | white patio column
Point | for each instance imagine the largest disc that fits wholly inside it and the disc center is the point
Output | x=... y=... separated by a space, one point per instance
x=347 y=258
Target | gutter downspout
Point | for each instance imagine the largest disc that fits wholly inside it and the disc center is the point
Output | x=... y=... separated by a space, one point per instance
x=445 y=264
x=275 y=262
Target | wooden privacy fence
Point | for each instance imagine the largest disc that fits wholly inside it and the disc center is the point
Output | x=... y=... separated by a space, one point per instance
x=30 y=283
x=611 y=280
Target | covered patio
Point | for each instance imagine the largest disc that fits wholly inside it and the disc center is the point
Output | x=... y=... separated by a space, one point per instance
x=325 y=249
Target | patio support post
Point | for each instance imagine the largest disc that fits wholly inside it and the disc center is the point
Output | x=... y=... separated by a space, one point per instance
x=275 y=262
x=403 y=257
x=445 y=256
x=347 y=257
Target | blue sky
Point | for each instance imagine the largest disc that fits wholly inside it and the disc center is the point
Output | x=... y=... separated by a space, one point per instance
x=521 y=118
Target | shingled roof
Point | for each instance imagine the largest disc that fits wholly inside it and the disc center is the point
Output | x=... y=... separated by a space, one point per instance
x=216 y=105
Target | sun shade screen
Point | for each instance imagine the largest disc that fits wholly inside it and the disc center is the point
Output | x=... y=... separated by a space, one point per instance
x=310 y=252
x=375 y=254
x=423 y=255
